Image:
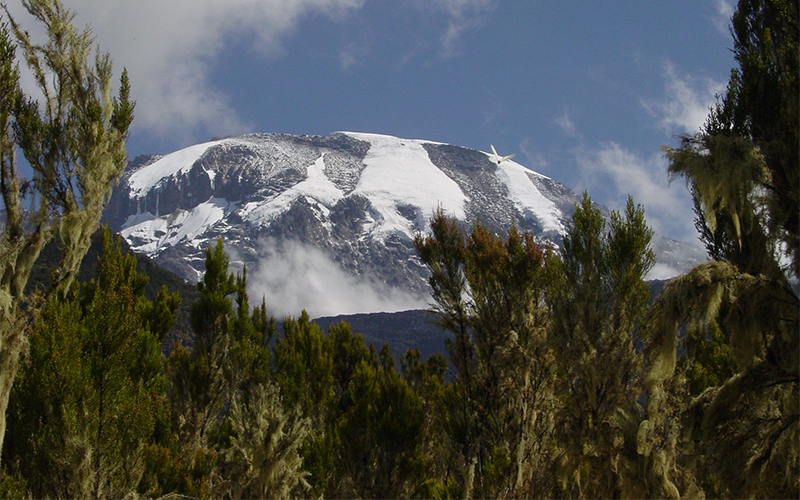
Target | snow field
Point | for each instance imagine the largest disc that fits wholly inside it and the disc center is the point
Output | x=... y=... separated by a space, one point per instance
x=315 y=187
x=398 y=171
x=527 y=198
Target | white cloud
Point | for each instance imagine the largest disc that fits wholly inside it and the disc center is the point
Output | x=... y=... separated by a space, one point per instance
x=462 y=8
x=292 y=277
x=463 y=16
x=347 y=58
x=169 y=49
x=686 y=102
x=621 y=172
x=724 y=13
x=565 y=123
x=451 y=39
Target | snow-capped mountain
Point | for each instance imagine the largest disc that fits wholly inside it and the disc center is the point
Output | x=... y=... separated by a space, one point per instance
x=331 y=218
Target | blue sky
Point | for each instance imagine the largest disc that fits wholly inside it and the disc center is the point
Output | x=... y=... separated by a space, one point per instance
x=585 y=92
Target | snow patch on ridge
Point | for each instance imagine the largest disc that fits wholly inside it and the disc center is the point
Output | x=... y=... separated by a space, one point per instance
x=315 y=187
x=149 y=234
x=399 y=172
x=147 y=177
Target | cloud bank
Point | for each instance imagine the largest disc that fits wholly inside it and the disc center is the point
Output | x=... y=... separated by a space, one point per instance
x=292 y=277
x=611 y=171
x=170 y=48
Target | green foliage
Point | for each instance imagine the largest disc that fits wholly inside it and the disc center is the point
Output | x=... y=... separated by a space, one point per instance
x=230 y=350
x=367 y=425
x=744 y=165
x=741 y=311
x=490 y=294
x=380 y=433
x=598 y=296
x=230 y=358
x=74 y=142
x=13 y=487
x=265 y=443
x=304 y=367
x=709 y=358
x=424 y=378
x=169 y=472
x=313 y=372
x=91 y=389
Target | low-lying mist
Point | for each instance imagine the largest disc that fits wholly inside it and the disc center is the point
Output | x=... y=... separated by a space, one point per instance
x=293 y=276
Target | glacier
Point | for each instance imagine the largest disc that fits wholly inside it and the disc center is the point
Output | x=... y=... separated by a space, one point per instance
x=358 y=199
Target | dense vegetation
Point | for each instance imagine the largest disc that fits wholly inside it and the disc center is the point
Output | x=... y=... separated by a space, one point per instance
x=561 y=382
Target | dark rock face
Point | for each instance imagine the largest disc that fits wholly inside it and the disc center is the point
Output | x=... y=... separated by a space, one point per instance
x=354 y=197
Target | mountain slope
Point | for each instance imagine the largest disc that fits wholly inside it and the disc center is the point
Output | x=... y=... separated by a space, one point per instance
x=327 y=223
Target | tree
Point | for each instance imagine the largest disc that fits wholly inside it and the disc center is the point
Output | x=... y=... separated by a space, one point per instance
x=490 y=294
x=381 y=433
x=74 y=142
x=366 y=423
x=198 y=386
x=598 y=297
x=304 y=370
x=743 y=168
x=230 y=350
x=265 y=444
x=230 y=356
x=88 y=397
x=427 y=380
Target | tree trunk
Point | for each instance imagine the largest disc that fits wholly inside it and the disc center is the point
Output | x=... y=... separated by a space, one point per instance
x=11 y=344
x=469 y=477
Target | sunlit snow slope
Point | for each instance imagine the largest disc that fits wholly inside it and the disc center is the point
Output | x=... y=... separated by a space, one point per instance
x=339 y=211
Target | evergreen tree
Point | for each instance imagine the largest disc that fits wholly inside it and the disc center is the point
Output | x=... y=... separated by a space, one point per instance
x=381 y=433
x=490 y=294
x=74 y=142
x=230 y=356
x=198 y=386
x=304 y=371
x=598 y=297
x=433 y=463
x=743 y=168
x=230 y=350
x=266 y=438
x=89 y=395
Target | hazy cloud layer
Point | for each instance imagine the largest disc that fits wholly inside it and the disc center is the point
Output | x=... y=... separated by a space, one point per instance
x=668 y=207
x=292 y=277
x=686 y=101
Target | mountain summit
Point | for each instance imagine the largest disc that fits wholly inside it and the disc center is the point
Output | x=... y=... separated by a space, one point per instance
x=330 y=220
